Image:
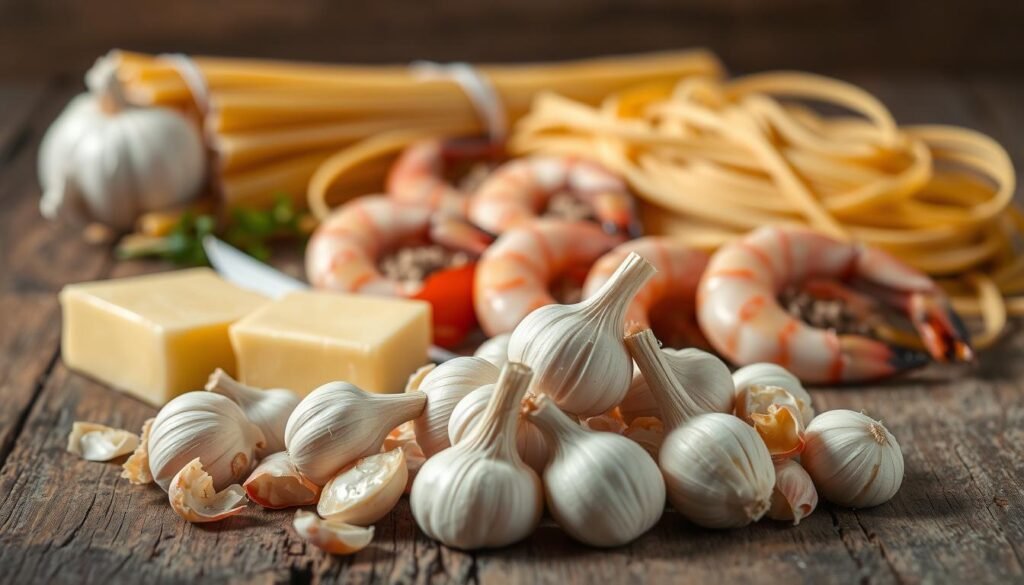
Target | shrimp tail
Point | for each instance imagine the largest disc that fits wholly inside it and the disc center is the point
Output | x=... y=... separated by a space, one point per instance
x=864 y=358
x=941 y=329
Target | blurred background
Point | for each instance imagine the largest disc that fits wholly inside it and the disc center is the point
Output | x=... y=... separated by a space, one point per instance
x=47 y=38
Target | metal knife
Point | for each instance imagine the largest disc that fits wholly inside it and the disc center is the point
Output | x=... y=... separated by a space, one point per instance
x=239 y=268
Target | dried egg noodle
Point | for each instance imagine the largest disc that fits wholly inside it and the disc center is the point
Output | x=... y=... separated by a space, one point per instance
x=713 y=160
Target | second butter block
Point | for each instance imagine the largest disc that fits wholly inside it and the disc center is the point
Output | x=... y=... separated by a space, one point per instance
x=307 y=339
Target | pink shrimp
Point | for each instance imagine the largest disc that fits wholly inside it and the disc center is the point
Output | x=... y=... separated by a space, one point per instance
x=519 y=190
x=679 y=270
x=418 y=176
x=739 y=313
x=513 y=275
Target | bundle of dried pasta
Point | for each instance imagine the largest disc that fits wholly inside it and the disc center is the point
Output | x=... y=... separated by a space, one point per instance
x=714 y=159
x=276 y=125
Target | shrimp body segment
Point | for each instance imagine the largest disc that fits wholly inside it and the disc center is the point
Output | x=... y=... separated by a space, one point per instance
x=513 y=275
x=739 y=313
x=519 y=190
x=418 y=175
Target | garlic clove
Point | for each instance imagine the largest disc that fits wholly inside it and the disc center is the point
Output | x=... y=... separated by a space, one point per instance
x=276 y=484
x=853 y=459
x=367 y=491
x=530 y=442
x=648 y=432
x=781 y=430
x=95 y=442
x=794 y=497
x=331 y=536
x=444 y=387
x=194 y=498
x=764 y=375
x=267 y=409
x=495 y=349
x=136 y=467
x=705 y=378
x=718 y=471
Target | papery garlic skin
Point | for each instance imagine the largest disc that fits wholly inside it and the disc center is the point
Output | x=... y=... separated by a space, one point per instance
x=96 y=442
x=268 y=409
x=601 y=488
x=338 y=423
x=530 y=442
x=794 y=497
x=853 y=459
x=331 y=536
x=648 y=432
x=367 y=491
x=718 y=472
x=444 y=387
x=136 y=468
x=768 y=374
x=276 y=483
x=478 y=493
x=193 y=497
x=495 y=349
x=776 y=415
x=705 y=377
x=576 y=351
x=207 y=426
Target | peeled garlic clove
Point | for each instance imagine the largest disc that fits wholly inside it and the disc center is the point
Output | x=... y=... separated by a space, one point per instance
x=601 y=488
x=853 y=459
x=794 y=496
x=749 y=378
x=495 y=349
x=95 y=442
x=208 y=426
x=705 y=378
x=194 y=498
x=576 y=351
x=276 y=483
x=331 y=536
x=136 y=467
x=478 y=493
x=338 y=423
x=718 y=472
x=367 y=491
x=648 y=432
x=530 y=442
x=268 y=409
x=444 y=387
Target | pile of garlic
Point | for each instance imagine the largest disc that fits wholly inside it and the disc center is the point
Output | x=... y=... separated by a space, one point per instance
x=563 y=414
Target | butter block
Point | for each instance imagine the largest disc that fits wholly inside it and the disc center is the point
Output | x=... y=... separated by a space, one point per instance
x=307 y=339
x=153 y=336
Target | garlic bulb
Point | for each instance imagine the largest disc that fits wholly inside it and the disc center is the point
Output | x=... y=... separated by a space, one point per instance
x=705 y=378
x=853 y=459
x=194 y=498
x=576 y=351
x=601 y=488
x=367 y=491
x=276 y=483
x=718 y=473
x=104 y=160
x=330 y=535
x=136 y=468
x=675 y=403
x=530 y=442
x=775 y=415
x=206 y=426
x=749 y=378
x=338 y=423
x=495 y=349
x=444 y=387
x=478 y=493
x=267 y=409
x=95 y=442
x=794 y=496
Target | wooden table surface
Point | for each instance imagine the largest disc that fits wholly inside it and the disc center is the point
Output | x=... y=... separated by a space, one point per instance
x=958 y=518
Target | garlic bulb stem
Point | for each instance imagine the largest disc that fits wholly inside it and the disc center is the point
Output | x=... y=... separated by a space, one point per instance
x=673 y=401
x=497 y=427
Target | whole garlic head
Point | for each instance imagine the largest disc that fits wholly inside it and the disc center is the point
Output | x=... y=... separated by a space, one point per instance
x=478 y=493
x=601 y=488
x=206 y=426
x=268 y=409
x=718 y=472
x=853 y=459
x=104 y=160
x=530 y=442
x=444 y=387
x=749 y=378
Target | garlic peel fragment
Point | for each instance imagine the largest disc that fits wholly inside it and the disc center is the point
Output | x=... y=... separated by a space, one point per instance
x=756 y=378
x=365 y=492
x=194 y=498
x=331 y=536
x=96 y=442
x=276 y=483
x=136 y=467
x=648 y=432
x=794 y=496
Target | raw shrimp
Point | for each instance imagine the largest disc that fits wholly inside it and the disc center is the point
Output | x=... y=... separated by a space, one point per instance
x=679 y=269
x=739 y=313
x=513 y=275
x=418 y=176
x=520 y=189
